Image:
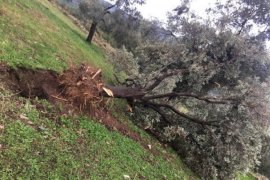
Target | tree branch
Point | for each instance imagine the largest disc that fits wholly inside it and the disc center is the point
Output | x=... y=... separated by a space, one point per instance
x=243 y=24
x=161 y=113
x=196 y=96
x=159 y=79
x=176 y=111
x=107 y=10
x=117 y=79
x=110 y=7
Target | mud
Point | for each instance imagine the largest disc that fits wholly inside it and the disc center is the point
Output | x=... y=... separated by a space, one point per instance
x=78 y=90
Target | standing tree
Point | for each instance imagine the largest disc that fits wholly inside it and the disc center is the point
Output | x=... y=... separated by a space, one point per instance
x=124 y=29
x=96 y=10
x=247 y=17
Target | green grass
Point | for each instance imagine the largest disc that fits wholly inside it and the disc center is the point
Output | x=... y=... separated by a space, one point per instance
x=243 y=176
x=37 y=144
x=39 y=141
x=35 y=34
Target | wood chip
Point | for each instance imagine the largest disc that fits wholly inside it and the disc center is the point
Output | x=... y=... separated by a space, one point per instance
x=108 y=92
x=59 y=98
x=99 y=71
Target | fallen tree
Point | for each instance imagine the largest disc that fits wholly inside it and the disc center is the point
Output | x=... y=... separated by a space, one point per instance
x=217 y=133
x=205 y=95
x=139 y=95
x=205 y=91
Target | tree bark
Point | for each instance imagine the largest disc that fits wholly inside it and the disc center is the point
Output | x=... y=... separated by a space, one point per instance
x=139 y=96
x=92 y=32
x=126 y=92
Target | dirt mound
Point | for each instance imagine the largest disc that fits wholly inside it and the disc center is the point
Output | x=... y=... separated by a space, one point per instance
x=77 y=89
x=82 y=87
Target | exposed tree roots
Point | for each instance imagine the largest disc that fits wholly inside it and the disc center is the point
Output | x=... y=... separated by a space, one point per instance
x=78 y=90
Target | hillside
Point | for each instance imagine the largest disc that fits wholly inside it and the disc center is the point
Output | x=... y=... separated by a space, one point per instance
x=42 y=140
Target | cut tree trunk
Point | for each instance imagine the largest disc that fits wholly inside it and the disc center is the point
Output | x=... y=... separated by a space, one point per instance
x=126 y=92
x=92 y=32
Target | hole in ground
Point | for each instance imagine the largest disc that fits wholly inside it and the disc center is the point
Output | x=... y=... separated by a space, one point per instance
x=77 y=89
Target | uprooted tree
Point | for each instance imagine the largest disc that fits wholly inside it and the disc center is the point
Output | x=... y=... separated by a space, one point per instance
x=96 y=11
x=211 y=110
x=205 y=92
x=205 y=89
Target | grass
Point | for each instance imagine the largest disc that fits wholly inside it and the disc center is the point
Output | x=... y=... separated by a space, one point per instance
x=36 y=34
x=38 y=144
x=243 y=176
x=37 y=140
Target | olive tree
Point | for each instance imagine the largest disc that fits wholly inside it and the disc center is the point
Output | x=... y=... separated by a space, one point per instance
x=250 y=18
x=205 y=92
x=96 y=11
x=205 y=89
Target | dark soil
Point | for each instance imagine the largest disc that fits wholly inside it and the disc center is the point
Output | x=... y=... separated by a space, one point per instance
x=78 y=90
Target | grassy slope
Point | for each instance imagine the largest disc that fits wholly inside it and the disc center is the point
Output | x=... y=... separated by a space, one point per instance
x=39 y=142
x=40 y=36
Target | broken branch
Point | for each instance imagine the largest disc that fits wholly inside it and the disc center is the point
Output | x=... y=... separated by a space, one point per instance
x=176 y=111
x=196 y=96
x=159 y=79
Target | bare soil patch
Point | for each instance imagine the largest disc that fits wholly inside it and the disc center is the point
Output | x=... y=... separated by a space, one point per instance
x=76 y=89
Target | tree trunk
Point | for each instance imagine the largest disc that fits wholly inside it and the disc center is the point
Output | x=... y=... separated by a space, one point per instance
x=92 y=32
x=126 y=92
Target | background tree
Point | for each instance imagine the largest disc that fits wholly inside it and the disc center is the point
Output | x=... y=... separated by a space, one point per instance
x=96 y=11
x=125 y=30
x=120 y=29
x=249 y=18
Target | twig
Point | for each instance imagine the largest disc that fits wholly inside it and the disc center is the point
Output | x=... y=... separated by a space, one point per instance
x=159 y=79
x=9 y=96
x=99 y=71
x=161 y=113
x=196 y=96
x=176 y=111
x=117 y=79
x=59 y=98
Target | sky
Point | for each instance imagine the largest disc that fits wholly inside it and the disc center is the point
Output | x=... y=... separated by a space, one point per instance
x=159 y=8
